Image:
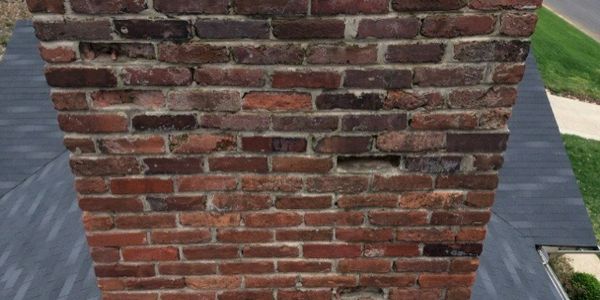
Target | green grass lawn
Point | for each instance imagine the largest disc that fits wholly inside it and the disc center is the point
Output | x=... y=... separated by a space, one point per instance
x=568 y=59
x=585 y=157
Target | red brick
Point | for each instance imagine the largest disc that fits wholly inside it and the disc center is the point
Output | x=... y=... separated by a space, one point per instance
x=343 y=144
x=213 y=282
x=450 y=250
x=441 y=280
x=304 y=235
x=270 y=281
x=46 y=6
x=117 y=270
x=342 y=55
x=204 y=101
x=255 y=183
x=158 y=76
x=197 y=295
x=111 y=204
x=247 y=267
x=145 y=221
x=93 y=222
x=277 y=101
x=340 y=184
x=244 y=236
x=493 y=97
x=141 y=145
x=370 y=200
x=105 y=166
x=426 y=5
x=332 y=281
x=391 y=250
x=192 y=53
x=57 y=54
x=464 y=265
x=421 y=265
x=303 y=266
x=484 y=142
x=141 y=186
x=334 y=218
x=398 y=218
x=150 y=254
x=175 y=165
x=447 y=26
x=388 y=280
x=448 y=76
x=305 y=123
x=270 y=251
x=509 y=73
x=460 y=218
x=73 y=30
x=434 y=200
x=229 y=77
x=364 y=266
x=308 y=29
x=208 y=219
x=445 y=121
x=91 y=185
x=411 y=101
x=297 y=164
x=402 y=183
x=273 y=144
x=153 y=29
x=480 y=199
x=106 y=7
x=150 y=100
x=236 y=122
x=415 y=53
x=306 y=79
x=365 y=101
x=238 y=164
x=331 y=250
x=187 y=268
x=240 y=202
x=363 y=235
x=272 y=220
x=232 y=29
x=164 y=122
x=303 y=202
x=105 y=255
x=191 y=6
x=425 y=235
x=206 y=183
x=247 y=295
x=201 y=143
x=211 y=252
x=504 y=4
x=410 y=142
x=116 y=51
x=415 y=294
x=349 y=7
x=116 y=239
x=271 y=7
x=299 y=295
x=498 y=51
x=80 y=77
x=520 y=25
x=378 y=122
x=69 y=101
x=177 y=203
x=268 y=55
x=80 y=145
x=391 y=28
x=180 y=236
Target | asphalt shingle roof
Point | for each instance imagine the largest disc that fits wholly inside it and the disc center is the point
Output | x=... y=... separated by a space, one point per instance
x=43 y=254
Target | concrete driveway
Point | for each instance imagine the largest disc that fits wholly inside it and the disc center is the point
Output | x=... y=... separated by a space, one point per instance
x=576 y=117
x=585 y=14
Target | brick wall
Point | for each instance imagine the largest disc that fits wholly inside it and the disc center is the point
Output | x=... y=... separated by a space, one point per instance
x=285 y=149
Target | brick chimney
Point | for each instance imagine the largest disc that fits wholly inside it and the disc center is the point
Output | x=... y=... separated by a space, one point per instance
x=285 y=149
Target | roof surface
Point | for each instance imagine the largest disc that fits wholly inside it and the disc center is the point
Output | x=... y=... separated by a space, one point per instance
x=43 y=254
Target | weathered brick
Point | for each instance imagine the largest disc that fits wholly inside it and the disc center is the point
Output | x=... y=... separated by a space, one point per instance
x=80 y=77
x=401 y=183
x=188 y=165
x=506 y=4
x=177 y=203
x=150 y=100
x=58 y=54
x=273 y=144
x=254 y=183
x=236 y=122
x=69 y=101
x=308 y=29
x=439 y=121
x=73 y=30
x=108 y=7
x=277 y=101
x=231 y=29
x=341 y=184
x=509 y=73
x=448 y=76
x=201 y=143
x=271 y=7
x=141 y=186
x=157 y=76
x=238 y=164
x=343 y=144
x=342 y=55
x=298 y=164
x=192 y=53
x=410 y=101
x=514 y=24
x=378 y=79
x=374 y=122
x=153 y=29
x=229 y=77
x=410 y=142
x=477 y=142
x=191 y=6
x=141 y=145
x=447 y=26
x=425 y=5
x=80 y=145
x=391 y=28
x=164 y=122
x=206 y=183
x=367 y=101
x=220 y=101
x=310 y=79
x=93 y=123
x=499 y=51
x=268 y=55
x=46 y=6
x=415 y=53
x=493 y=97
x=116 y=51
x=349 y=7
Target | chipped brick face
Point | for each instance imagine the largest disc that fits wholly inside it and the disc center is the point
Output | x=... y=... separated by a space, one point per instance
x=285 y=149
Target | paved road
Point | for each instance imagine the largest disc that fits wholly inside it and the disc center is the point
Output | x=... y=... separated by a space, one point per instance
x=583 y=13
